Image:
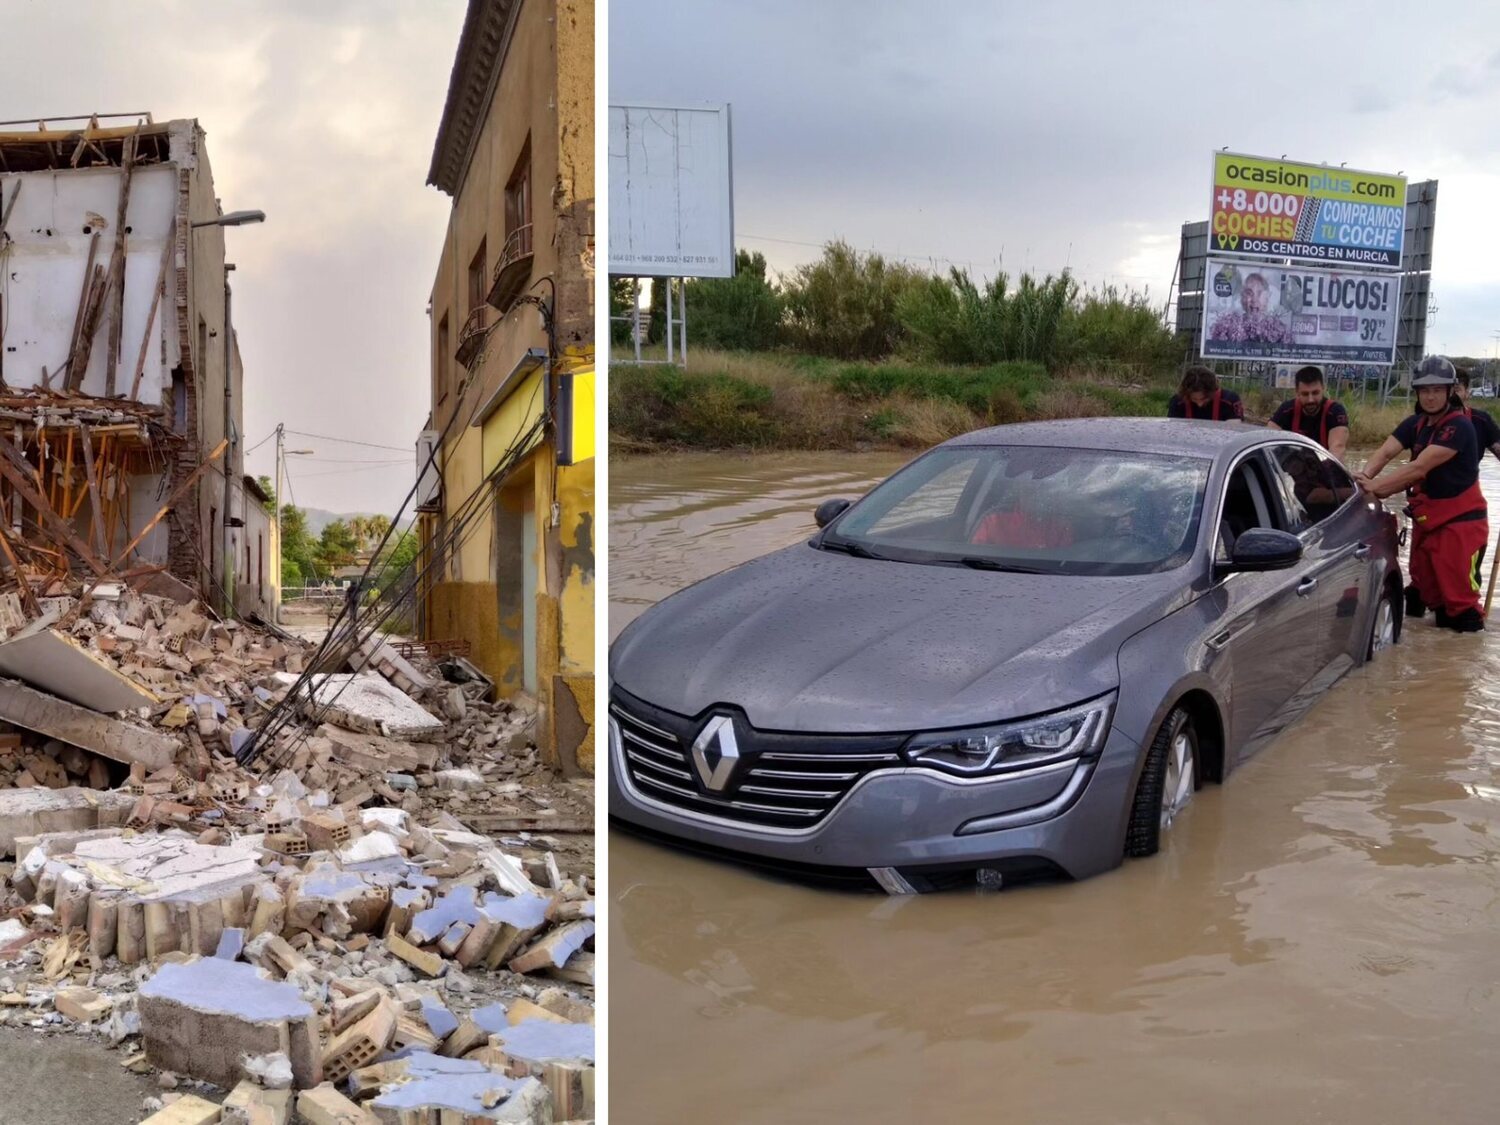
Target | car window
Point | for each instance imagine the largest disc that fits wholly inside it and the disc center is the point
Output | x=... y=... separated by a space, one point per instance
x=1311 y=485
x=1043 y=508
x=937 y=498
x=1246 y=505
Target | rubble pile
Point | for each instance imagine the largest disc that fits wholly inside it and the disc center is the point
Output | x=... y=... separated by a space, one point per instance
x=370 y=923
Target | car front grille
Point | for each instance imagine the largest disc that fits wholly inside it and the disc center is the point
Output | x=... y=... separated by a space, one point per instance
x=782 y=780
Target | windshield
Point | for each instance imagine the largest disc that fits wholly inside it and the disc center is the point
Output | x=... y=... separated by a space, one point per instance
x=1032 y=508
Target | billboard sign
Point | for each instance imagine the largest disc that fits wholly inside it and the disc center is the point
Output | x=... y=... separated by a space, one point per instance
x=671 y=199
x=1283 y=209
x=1296 y=314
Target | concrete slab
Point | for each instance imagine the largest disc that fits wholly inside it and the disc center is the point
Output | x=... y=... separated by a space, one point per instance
x=366 y=702
x=440 y=1021
x=56 y=663
x=78 y=726
x=32 y=812
x=542 y=1041
x=463 y=1086
x=203 y=1017
x=490 y=1018
x=168 y=866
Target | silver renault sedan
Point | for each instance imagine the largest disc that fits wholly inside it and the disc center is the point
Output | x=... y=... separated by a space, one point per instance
x=1017 y=657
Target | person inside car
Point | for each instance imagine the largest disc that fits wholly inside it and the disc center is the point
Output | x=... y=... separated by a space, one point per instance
x=1200 y=396
x=1449 y=517
x=1313 y=414
x=1022 y=521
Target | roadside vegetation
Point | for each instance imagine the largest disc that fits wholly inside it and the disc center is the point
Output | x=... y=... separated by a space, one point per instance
x=307 y=560
x=853 y=352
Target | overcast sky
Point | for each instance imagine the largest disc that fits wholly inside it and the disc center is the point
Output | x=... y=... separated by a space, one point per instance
x=1075 y=133
x=323 y=115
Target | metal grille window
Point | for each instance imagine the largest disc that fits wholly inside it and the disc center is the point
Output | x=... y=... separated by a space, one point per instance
x=518 y=204
x=478 y=280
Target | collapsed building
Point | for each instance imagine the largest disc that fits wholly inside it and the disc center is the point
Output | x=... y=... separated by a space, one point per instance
x=337 y=880
x=118 y=428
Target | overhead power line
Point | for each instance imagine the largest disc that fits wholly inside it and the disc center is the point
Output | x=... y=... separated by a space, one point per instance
x=352 y=441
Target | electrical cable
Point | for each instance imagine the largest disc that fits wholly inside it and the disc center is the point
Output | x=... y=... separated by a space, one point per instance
x=355 y=631
x=359 y=460
x=284 y=712
x=346 y=625
x=258 y=444
x=345 y=628
x=350 y=441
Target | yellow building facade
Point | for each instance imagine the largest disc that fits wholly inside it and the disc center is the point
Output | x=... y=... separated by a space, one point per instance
x=508 y=538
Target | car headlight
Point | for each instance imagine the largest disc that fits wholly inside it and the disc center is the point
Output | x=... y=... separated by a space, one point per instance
x=1006 y=747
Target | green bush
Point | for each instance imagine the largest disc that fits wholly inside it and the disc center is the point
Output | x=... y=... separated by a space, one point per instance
x=844 y=305
x=666 y=405
x=973 y=387
x=739 y=313
x=1118 y=327
x=952 y=320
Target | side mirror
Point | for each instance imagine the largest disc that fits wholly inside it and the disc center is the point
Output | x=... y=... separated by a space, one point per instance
x=1263 y=548
x=830 y=510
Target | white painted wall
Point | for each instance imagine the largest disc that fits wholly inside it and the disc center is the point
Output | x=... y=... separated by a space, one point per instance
x=147 y=494
x=44 y=262
x=252 y=594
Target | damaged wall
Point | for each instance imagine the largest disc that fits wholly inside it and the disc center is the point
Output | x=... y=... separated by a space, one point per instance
x=61 y=213
x=255 y=554
x=46 y=254
x=521 y=589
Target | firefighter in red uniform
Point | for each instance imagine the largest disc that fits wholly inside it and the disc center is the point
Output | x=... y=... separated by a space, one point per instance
x=1450 y=522
x=1199 y=396
x=1313 y=414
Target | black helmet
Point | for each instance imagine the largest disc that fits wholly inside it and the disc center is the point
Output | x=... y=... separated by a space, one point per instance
x=1434 y=371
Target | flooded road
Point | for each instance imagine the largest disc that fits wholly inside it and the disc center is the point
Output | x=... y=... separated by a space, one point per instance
x=1317 y=942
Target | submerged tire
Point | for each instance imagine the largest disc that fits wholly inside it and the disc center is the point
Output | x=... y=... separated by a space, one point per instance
x=1168 y=781
x=1385 y=630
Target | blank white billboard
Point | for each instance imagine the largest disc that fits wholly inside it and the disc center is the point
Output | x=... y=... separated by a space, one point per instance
x=671 y=201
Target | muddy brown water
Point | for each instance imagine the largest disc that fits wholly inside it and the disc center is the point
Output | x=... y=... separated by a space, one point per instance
x=1318 y=941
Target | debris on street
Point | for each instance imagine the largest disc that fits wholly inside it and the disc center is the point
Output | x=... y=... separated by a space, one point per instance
x=352 y=893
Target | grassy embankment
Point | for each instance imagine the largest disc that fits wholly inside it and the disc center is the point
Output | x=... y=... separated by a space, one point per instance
x=780 y=400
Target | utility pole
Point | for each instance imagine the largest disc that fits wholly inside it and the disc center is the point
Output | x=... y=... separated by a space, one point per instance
x=282 y=453
x=280 y=440
x=227 y=557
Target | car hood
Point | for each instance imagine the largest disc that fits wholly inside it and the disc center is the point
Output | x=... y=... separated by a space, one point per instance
x=814 y=640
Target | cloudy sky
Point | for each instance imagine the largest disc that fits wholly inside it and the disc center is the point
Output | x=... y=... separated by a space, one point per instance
x=323 y=115
x=1074 y=133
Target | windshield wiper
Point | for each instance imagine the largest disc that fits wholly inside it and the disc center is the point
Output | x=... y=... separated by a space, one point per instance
x=849 y=548
x=978 y=562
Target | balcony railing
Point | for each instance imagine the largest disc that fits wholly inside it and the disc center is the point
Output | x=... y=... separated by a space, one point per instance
x=471 y=336
x=513 y=269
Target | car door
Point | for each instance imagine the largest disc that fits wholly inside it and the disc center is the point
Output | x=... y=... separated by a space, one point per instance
x=1266 y=644
x=1319 y=506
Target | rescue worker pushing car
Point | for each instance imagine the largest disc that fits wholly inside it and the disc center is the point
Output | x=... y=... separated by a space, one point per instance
x=1313 y=414
x=1449 y=519
x=1485 y=427
x=1200 y=396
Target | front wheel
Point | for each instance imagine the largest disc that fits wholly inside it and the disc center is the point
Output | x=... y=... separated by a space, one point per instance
x=1168 y=782
x=1386 y=629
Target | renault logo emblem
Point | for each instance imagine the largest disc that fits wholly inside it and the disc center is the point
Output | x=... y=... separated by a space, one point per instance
x=715 y=752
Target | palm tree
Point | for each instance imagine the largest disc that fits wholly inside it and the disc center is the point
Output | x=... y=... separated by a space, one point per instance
x=376 y=527
x=360 y=529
